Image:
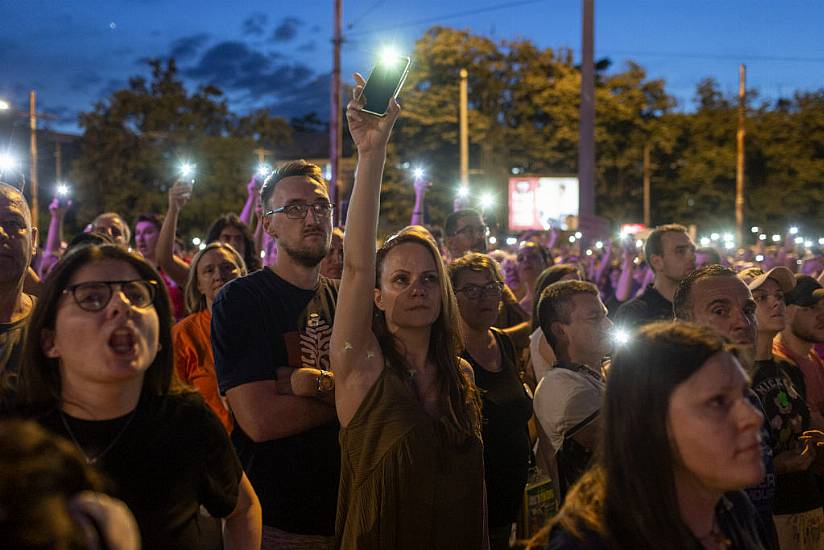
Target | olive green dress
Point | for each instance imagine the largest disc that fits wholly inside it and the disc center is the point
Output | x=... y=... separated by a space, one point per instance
x=405 y=483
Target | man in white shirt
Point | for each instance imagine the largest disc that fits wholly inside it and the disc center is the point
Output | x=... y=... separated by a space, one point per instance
x=568 y=398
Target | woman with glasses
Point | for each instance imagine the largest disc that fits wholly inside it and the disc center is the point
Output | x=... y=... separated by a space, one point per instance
x=98 y=370
x=679 y=441
x=411 y=453
x=212 y=267
x=506 y=406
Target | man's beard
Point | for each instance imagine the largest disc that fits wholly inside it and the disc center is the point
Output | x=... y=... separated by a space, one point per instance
x=307 y=256
x=806 y=335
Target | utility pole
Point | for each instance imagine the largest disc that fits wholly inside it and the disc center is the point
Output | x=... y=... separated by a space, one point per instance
x=646 y=185
x=35 y=211
x=335 y=126
x=739 y=165
x=58 y=161
x=464 y=129
x=261 y=154
x=586 y=140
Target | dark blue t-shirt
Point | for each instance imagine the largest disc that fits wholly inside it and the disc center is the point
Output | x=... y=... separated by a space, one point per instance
x=259 y=323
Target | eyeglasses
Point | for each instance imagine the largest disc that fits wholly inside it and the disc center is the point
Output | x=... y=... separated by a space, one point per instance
x=473 y=292
x=480 y=230
x=299 y=211
x=96 y=295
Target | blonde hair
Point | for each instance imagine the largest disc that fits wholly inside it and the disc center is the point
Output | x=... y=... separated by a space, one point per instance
x=195 y=299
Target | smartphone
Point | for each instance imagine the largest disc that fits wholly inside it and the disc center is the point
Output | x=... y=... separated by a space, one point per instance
x=385 y=81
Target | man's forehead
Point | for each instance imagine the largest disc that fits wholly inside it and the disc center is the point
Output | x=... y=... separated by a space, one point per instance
x=298 y=188
x=676 y=238
x=11 y=201
x=728 y=287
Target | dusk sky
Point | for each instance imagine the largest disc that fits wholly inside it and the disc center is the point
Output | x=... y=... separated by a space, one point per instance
x=278 y=54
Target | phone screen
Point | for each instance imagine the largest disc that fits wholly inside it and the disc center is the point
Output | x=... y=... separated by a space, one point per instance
x=384 y=82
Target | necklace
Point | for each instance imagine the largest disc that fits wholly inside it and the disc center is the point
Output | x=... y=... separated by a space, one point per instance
x=115 y=439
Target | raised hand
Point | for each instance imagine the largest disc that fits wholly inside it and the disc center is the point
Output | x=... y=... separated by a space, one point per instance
x=421 y=185
x=179 y=195
x=369 y=132
x=58 y=207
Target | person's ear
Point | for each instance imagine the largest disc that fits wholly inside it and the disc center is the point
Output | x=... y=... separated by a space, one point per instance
x=558 y=331
x=269 y=226
x=657 y=262
x=48 y=344
x=378 y=298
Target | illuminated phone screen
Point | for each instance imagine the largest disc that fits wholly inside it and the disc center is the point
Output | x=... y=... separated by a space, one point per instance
x=384 y=82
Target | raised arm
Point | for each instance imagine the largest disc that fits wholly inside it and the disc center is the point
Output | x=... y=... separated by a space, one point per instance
x=251 y=200
x=355 y=355
x=421 y=185
x=57 y=210
x=176 y=268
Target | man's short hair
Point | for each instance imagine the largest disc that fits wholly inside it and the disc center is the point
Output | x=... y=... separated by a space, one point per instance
x=451 y=223
x=682 y=301
x=555 y=304
x=293 y=168
x=153 y=219
x=654 y=245
x=713 y=256
x=476 y=262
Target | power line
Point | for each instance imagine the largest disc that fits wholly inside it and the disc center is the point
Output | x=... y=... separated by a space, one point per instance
x=719 y=57
x=363 y=15
x=454 y=15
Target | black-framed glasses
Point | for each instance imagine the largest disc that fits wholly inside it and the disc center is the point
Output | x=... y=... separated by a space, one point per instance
x=480 y=230
x=96 y=295
x=299 y=211
x=473 y=292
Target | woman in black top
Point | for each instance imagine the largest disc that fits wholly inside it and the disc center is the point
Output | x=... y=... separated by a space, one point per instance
x=506 y=407
x=98 y=370
x=679 y=440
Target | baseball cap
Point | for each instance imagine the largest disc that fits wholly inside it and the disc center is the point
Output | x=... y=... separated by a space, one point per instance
x=754 y=277
x=807 y=292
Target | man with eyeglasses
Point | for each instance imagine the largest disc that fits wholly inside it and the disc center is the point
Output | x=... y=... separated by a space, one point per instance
x=466 y=232
x=270 y=335
x=18 y=240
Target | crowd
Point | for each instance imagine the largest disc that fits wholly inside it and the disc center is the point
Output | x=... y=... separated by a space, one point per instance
x=338 y=396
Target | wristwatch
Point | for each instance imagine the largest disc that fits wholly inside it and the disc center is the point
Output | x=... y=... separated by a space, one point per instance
x=326 y=381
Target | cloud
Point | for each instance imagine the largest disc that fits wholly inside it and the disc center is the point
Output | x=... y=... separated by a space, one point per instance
x=255 y=24
x=84 y=80
x=309 y=46
x=234 y=66
x=311 y=97
x=287 y=29
x=187 y=46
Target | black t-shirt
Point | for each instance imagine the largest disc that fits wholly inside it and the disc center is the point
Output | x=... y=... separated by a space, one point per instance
x=506 y=411
x=259 y=323
x=777 y=385
x=169 y=459
x=641 y=310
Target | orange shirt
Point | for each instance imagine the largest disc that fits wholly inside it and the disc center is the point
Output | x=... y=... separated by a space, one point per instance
x=195 y=362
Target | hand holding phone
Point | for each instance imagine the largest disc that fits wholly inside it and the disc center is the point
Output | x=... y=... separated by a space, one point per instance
x=385 y=82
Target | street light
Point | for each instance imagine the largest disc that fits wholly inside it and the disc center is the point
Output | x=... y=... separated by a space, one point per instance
x=487 y=200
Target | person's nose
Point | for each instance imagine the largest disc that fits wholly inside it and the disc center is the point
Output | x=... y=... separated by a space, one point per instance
x=118 y=305
x=748 y=416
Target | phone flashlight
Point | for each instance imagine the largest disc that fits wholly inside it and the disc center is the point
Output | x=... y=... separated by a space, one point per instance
x=62 y=190
x=793 y=230
x=187 y=170
x=620 y=336
x=263 y=170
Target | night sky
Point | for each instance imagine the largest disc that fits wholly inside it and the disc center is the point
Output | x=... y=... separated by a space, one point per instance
x=278 y=54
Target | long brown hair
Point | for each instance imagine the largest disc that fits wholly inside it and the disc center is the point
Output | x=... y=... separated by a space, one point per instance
x=40 y=385
x=629 y=496
x=456 y=394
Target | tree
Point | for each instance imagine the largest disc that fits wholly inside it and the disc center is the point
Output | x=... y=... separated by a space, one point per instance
x=134 y=141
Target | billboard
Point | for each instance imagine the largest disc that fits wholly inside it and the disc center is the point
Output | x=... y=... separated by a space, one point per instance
x=537 y=202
